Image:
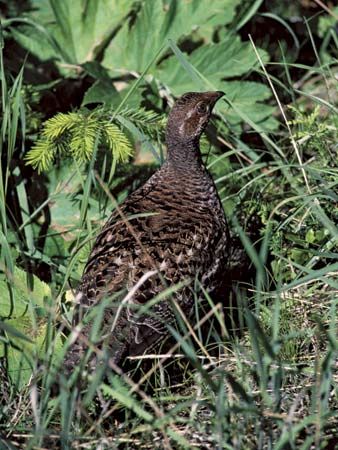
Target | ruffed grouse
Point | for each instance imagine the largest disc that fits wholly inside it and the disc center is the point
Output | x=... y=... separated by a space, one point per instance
x=172 y=229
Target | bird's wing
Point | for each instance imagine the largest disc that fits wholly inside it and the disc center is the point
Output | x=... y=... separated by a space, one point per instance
x=162 y=250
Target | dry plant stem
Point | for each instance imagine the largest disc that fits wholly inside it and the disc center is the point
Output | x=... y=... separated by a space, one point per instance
x=19 y=414
x=328 y=10
x=241 y=154
x=135 y=387
x=176 y=346
x=130 y=295
x=318 y=59
x=293 y=142
x=191 y=331
x=167 y=356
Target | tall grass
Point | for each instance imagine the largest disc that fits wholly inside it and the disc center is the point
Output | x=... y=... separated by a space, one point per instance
x=271 y=384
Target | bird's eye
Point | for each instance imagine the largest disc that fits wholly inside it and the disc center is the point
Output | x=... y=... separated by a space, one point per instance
x=202 y=108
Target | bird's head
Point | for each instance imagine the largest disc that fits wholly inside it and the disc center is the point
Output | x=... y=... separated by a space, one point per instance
x=190 y=115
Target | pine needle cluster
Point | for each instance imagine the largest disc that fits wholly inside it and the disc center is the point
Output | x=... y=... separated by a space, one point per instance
x=75 y=134
x=148 y=122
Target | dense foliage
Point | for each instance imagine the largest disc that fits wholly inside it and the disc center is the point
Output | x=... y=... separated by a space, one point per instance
x=85 y=90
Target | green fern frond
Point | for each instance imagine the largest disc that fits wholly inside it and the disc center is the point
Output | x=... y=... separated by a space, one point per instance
x=117 y=141
x=41 y=155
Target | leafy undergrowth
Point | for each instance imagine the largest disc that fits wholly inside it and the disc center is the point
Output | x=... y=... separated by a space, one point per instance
x=270 y=384
x=258 y=369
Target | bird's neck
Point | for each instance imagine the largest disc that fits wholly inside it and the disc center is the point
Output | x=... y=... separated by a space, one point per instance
x=184 y=154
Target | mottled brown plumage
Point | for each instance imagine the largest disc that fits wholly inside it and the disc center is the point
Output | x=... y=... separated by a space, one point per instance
x=170 y=230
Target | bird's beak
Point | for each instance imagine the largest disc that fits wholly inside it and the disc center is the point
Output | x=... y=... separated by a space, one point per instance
x=214 y=96
x=219 y=94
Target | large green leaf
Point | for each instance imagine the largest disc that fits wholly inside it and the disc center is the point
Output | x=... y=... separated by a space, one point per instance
x=64 y=185
x=135 y=45
x=18 y=305
x=247 y=96
x=73 y=32
x=215 y=62
x=78 y=31
x=22 y=356
x=24 y=316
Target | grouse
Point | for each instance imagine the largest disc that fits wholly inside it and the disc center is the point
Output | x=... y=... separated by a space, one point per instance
x=171 y=230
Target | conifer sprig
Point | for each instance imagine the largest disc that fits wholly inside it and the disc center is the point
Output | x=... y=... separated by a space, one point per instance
x=74 y=134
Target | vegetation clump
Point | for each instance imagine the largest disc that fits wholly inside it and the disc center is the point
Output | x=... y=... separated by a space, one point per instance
x=84 y=94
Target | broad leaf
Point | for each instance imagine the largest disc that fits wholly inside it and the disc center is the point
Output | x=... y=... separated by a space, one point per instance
x=77 y=32
x=215 y=62
x=101 y=92
x=247 y=96
x=22 y=356
x=24 y=324
x=23 y=298
x=73 y=32
x=64 y=184
x=135 y=45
